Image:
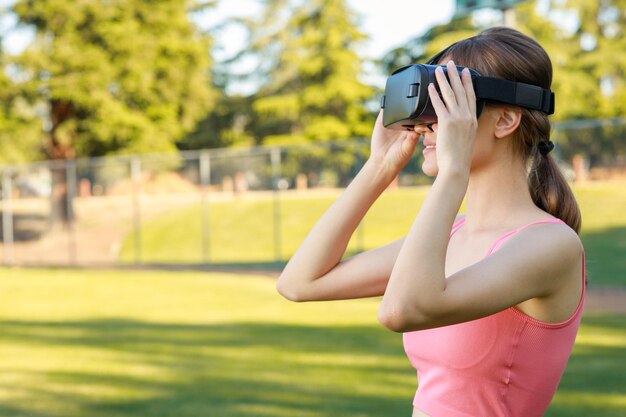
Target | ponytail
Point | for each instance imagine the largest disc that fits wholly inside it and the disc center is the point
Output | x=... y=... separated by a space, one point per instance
x=550 y=191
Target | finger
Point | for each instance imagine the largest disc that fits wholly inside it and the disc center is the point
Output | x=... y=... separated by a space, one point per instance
x=436 y=101
x=466 y=77
x=446 y=91
x=455 y=82
x=409 y=143
x=379 y=119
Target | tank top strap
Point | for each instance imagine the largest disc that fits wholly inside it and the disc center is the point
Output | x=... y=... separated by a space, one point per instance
x=457 y=225
x=502 y=239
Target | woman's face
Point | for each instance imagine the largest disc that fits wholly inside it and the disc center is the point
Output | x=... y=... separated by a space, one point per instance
x=429 y=141
x=483 y=146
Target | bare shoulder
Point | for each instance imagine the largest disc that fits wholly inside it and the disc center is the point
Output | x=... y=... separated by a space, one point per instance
x=551 y=249
x=555 y=269
x=556 y=238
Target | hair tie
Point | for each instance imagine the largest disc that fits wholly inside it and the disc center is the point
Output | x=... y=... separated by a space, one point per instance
x=545 y=147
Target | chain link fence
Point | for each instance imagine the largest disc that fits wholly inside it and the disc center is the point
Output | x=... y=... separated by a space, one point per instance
x=143 y=209
x=210 y=207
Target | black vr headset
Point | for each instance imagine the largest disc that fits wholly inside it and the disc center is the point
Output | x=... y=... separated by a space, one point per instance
x=406 y=101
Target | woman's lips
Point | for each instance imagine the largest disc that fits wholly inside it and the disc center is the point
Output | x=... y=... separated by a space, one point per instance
x=429 y=148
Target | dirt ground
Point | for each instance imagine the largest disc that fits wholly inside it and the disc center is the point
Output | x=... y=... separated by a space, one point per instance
x=606 y=300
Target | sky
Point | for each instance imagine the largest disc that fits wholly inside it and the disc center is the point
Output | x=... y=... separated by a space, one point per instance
x=390 y=23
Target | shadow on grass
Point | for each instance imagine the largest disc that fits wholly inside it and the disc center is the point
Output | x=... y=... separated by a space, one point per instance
x=224 y=370
x=604 y=250
x=264 y=267
x=261 y=369
x=16 y=411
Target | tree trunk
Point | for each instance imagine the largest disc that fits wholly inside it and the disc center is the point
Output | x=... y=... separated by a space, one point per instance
x=580 y=165
x=60 y=152
x=61 y=210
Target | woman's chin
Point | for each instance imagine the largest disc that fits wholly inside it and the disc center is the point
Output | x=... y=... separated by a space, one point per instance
x=430 y=169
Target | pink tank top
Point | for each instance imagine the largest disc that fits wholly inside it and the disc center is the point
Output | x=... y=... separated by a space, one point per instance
x=507 y=364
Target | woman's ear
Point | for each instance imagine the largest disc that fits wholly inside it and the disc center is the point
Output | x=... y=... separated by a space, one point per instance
x=508 y=119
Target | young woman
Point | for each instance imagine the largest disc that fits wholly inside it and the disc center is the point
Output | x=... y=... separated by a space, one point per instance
x=490 y=301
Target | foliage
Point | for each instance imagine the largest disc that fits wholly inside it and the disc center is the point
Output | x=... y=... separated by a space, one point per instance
x=600 y=46
x=309 y=72
x=308 y=87
x=224 y=126
x=20 y=128
x=115 y=76
x=590 y=77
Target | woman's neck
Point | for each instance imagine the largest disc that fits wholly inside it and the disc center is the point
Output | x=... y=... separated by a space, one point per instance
x=496 y=195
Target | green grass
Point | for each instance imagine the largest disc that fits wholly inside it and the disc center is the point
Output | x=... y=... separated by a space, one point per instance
x=122 y=344
x=242 y=230
x=604 y=231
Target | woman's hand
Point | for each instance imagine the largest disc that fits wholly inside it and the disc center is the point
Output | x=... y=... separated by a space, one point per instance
x=456 y=119
x=391 y=149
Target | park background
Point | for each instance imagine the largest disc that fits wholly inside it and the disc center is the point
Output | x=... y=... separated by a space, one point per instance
x=154 y=182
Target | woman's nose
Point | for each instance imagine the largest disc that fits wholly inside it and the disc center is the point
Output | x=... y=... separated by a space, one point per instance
x=422 y=129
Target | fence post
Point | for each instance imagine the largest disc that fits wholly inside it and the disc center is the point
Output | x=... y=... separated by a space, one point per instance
x=205 y=182
x=276 y=171
x=135 y=173
x=70 y=180
x=7 y=218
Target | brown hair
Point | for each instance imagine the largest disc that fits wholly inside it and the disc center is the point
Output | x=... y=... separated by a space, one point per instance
x=507 y=53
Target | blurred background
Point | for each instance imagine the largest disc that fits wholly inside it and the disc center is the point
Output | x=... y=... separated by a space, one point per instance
x=120 y=117
x=141 y=141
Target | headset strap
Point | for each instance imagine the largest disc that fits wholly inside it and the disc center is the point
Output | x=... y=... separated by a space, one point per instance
x=511 y=92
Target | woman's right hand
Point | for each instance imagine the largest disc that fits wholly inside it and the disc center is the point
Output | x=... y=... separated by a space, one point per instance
x=391 y=149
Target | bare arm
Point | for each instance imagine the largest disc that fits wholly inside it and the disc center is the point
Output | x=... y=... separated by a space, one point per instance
x=315 y=271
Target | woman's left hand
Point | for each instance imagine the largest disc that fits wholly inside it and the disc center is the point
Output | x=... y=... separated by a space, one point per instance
x=456 y=119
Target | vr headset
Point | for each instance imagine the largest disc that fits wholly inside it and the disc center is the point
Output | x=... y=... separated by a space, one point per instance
x=406 y=101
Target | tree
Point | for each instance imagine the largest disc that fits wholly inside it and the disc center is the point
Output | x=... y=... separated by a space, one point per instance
x=225 y=126
x=309 y=72
x=309 y=88
x=20 y=128
x=601 y=37
x=116 y=76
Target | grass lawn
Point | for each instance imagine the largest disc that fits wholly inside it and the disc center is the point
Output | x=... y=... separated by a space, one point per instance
x=122 y=344
x=241 y=230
